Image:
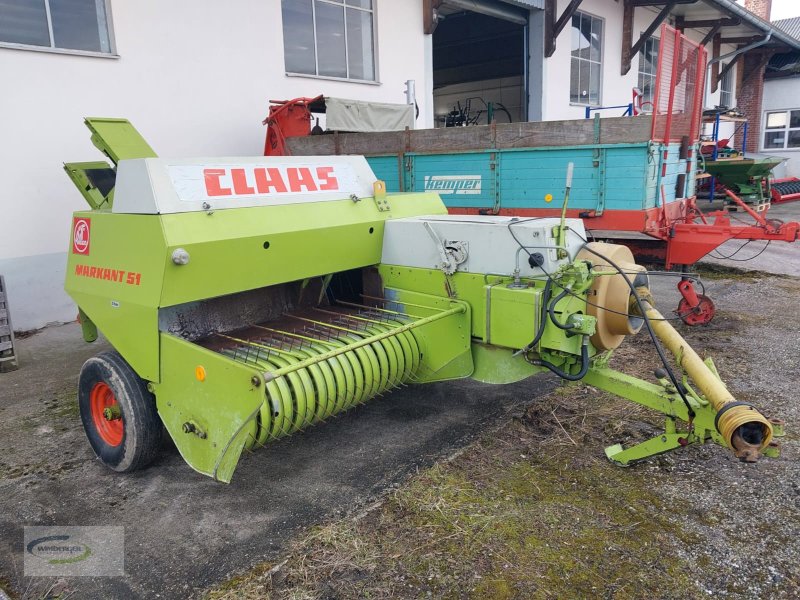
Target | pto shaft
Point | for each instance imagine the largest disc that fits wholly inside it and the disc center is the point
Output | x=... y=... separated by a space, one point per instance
x=743 y=428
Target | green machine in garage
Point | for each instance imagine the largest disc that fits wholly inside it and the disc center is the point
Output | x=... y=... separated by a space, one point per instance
x=248 y=298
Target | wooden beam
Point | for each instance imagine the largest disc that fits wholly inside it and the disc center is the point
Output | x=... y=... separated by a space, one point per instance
x=728 y=67
x=711 y=33
x=627 y=36
x=653 y=26
x=715 y=67
x=626 y=64
x=742 y=40
x=430 y=15
x=568 y=13
x=550 y=8
x=660 y=2
x=709 y=23
x=552 y=26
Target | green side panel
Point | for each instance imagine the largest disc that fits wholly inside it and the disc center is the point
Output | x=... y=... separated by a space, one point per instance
x=513 y=315
x=117 y=283
x=469 y=287
x=223 y=406
x=499 y=365
x=444 y=344
x=243 y=249
x=118 y=139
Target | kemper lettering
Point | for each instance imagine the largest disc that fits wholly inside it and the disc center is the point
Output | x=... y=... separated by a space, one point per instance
x=453 y=184
x=251 y=181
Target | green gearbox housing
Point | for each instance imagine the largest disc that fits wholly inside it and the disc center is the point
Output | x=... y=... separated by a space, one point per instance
x=249 y=297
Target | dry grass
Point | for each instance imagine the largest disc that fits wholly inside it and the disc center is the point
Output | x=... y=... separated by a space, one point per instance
x=531 y=510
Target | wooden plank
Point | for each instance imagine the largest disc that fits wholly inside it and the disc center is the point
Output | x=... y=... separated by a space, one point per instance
x=390 y=142
x=447 y=139
x=613 y=130
x=312 y=145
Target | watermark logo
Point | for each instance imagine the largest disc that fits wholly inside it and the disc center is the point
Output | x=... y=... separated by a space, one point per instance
x=453 y=184
x=74 y=551
x=58 y=549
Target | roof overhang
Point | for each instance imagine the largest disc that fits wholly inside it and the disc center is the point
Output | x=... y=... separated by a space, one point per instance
x=736 y=24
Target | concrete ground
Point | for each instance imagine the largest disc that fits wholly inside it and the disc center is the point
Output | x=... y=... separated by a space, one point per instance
x=779 y=258
x=183 y=531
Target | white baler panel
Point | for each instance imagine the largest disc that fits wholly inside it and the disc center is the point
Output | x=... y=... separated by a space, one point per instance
x=490 y=247
x=163 y=186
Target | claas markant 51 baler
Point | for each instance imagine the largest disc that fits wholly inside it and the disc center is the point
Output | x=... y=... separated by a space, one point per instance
x=248 y=298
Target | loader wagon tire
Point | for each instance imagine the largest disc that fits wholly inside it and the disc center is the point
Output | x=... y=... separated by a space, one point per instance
x=118 y=413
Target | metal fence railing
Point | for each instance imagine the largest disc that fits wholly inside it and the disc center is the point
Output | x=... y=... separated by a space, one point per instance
x=680 y=79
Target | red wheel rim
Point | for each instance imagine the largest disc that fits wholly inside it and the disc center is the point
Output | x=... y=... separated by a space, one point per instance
x=101 y=398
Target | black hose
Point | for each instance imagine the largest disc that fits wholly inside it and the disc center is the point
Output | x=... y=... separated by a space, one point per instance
x=569 y=376
x=551 y=309
x=542 y=316
x=643 y=313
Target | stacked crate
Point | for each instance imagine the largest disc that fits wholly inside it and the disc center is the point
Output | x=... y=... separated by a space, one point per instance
x=8 y=351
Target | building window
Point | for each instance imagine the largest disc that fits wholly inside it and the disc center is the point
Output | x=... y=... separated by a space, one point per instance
x=587 y=45
x=782 y=129
x=726 y=89
x=648 y=63
x=329 y=38
x=57 y=24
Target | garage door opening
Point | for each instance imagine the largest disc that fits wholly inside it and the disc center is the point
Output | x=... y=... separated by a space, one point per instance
x=479 y=64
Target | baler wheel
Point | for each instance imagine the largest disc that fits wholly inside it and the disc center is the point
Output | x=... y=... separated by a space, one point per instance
x=118 y=413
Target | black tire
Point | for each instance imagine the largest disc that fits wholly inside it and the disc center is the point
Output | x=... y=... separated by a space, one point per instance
x=141 y=425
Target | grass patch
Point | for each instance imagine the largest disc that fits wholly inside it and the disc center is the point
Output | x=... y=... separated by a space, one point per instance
x=715 y=271
x=530 y=511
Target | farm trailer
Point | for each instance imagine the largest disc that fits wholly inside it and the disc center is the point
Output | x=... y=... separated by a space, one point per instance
x=635 y=177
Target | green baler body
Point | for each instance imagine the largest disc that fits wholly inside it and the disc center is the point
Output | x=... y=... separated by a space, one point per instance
x=151 y=257
x=127 y=277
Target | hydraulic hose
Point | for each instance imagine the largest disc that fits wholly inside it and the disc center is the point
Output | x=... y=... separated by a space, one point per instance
x=563 y=374
x=542 y=317
x=551 y=309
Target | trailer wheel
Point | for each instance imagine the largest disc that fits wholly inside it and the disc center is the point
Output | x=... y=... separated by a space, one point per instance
x=118 y=413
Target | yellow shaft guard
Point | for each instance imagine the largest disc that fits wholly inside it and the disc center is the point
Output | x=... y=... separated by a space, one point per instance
x=710 y=385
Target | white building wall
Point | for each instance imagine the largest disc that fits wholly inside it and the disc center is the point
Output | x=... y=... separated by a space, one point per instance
x=194 y=76
x=782 y=94
x=616 y=89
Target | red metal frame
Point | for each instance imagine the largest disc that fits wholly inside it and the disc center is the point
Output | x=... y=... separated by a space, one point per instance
x=287 y=118
x=681 y=233
x=679 y=42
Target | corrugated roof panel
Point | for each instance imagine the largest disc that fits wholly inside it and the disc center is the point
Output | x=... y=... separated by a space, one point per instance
x=527 y=3
x=790 y=26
